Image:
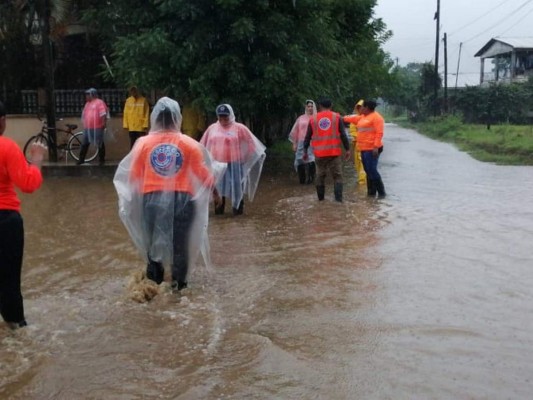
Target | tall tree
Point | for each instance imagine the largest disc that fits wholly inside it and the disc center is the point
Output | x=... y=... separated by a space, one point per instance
x=265 y=57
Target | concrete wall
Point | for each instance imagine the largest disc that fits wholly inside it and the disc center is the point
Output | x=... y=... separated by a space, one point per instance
x=21 y=127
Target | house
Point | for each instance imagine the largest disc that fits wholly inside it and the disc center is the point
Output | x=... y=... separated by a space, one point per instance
x=512 y=60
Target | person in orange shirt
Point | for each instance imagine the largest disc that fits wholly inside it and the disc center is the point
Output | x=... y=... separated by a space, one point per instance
x=370 y=126
x=14 y=172
x=164 y=186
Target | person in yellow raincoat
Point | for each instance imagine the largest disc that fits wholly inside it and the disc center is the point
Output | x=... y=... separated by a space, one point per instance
x=193 y=122
x=358 y=163
x=136 y=115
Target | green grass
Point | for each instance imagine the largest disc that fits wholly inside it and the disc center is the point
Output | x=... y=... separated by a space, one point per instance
x=502 y=144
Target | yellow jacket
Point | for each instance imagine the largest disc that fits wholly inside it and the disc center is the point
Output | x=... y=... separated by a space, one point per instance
x=193 y=123
x=136 y=114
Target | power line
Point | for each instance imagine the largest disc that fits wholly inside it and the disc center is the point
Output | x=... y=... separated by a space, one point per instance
x=478 y=18
x=501 y=20
x=516 y=23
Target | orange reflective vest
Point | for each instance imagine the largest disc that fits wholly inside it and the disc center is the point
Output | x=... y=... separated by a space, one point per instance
x=326 y=139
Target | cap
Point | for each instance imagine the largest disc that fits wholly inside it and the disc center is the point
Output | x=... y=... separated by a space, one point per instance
x=359 y=103
x=91 y=91
x=223 y=110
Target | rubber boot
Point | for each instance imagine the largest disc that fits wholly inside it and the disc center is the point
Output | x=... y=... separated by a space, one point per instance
x=301 y=173
x=83 y=152
x=155 y=271
x=380 y=188
x=320 y=192
x=370 y=187
x=101 y=154
x=338 y=191
x=240 y=209
x=219 y=210
x=312 y=173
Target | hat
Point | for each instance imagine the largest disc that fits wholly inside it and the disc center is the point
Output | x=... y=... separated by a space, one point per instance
x=359 y=103
x=223 y=110
x=91 y=91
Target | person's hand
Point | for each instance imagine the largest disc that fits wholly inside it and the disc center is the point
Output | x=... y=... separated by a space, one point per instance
x=305 y=156
x=375 y=152
x=37 y=152
x=347 y=155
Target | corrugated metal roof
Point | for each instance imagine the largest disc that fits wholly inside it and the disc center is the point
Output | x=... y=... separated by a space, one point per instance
x=517 y=43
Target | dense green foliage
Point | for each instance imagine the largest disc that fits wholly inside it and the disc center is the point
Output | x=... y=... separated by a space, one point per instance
x=264 y=57
x=496 y=104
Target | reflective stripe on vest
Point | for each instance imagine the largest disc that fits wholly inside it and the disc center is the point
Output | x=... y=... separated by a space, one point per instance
x=326 y=139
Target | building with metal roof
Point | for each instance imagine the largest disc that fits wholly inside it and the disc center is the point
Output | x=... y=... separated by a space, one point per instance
x=512 y=60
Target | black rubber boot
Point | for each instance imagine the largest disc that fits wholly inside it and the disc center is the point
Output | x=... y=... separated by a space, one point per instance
x=155 y=271
x=312 y=173
x=101 y=154
x=83 y=152
x=240 y=209
x=320 y=192
x=338 y=191
x=378 y=183
x=219 y=210
x=301 y=173
x=370 y=186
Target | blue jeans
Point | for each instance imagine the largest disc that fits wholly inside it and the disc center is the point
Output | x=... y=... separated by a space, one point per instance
x=370 y=164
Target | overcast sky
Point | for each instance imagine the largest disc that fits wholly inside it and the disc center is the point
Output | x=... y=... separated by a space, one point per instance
x=469 y=22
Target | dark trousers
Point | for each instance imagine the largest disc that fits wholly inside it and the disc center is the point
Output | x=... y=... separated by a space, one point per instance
x=134 y=136
x=11 y=250
x=159 y=219
x=370 y=164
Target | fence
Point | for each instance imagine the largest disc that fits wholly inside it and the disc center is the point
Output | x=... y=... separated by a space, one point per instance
x=70 y=103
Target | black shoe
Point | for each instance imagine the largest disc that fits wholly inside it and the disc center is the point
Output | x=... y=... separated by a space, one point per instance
x=177 y=286
x=16 y=325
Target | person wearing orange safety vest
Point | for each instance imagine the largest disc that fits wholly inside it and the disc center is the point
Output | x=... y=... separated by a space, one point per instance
x=358 y=163
x=327 y=135
x=369 y=140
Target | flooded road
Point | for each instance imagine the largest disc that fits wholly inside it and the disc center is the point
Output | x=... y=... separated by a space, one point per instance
x=423 y=295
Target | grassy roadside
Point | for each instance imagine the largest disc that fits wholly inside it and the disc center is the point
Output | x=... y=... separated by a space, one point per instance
x=502 y=144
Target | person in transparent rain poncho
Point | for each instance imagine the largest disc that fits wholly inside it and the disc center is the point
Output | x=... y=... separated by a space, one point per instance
x=233 y=143
x=164 y=185
x=306 y=168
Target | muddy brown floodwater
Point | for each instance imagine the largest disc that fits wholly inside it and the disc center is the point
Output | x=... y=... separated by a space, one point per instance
x=423 y=295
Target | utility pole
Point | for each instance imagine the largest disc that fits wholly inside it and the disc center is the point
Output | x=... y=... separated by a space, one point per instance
x=437 y=40
x=445 y=73
x=49 y=77
x=458 y=61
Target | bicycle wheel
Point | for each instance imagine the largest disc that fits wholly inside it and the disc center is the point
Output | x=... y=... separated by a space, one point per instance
x=39 y=138
x=74 y=146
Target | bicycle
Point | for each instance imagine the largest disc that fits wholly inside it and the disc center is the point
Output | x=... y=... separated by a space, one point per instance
x=70 y=143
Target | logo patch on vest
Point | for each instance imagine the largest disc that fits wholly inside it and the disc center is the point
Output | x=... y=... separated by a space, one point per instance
x=324 y=123
x=166 y=159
